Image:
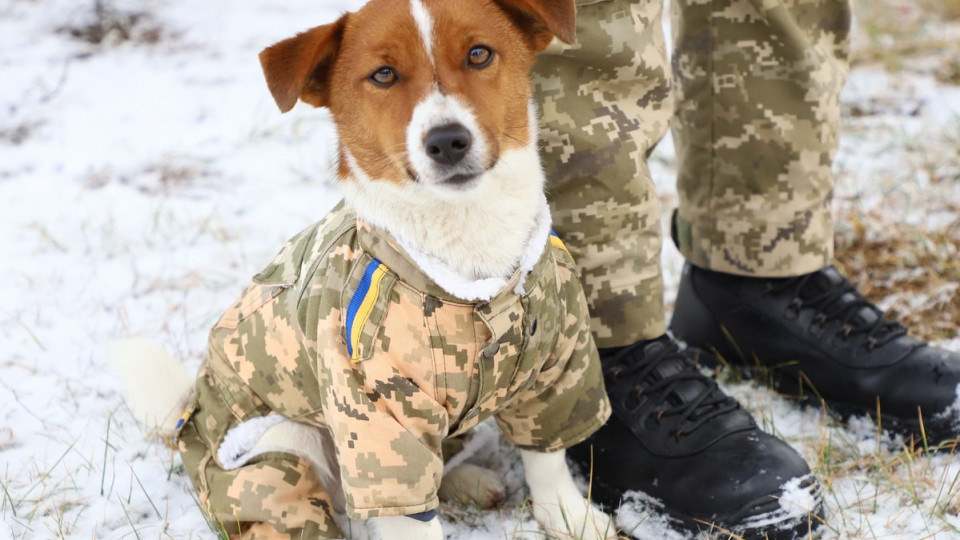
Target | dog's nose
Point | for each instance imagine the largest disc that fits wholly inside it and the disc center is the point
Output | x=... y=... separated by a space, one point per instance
x=448 y=144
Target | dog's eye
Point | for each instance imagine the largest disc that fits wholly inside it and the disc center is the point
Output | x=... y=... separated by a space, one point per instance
x=384 y=77
x=479 y=57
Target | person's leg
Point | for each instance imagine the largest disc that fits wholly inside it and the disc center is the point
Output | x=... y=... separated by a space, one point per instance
x=605 y=102
x=758 y=84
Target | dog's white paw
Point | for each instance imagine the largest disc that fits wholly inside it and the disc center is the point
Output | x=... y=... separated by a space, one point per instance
x=575 y=521
x=557 y=503
x=470 y=483
x=404 y=528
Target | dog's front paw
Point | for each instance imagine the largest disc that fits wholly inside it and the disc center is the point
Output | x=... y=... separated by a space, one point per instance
x=470 y=483
x=404 y=528
x=574 y=521
x=557 y=503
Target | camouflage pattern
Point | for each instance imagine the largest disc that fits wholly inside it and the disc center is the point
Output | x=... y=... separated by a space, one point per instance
x=429 y=366
x=756 y=86
x=275 y=496
x=605 y=102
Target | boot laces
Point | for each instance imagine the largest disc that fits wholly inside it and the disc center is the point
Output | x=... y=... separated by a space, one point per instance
x=842 y=302
x=640 y=371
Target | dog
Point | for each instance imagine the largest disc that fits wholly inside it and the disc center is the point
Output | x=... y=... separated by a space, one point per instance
x=433 y=297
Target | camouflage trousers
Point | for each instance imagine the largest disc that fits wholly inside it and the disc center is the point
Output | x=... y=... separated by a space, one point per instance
x=752 y=97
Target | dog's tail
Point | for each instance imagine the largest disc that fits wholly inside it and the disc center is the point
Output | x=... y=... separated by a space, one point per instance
x=156 y=386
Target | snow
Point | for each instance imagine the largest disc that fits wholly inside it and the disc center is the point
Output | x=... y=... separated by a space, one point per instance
x=799 y=498
x=641 y=516
x=144 y=183
x=953 y=411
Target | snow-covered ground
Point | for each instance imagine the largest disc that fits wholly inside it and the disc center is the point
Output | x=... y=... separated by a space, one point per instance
x=144 y=179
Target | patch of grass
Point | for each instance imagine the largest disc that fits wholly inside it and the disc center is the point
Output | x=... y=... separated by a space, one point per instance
x=906 y=472
x=945 y=9
x=912 y=272
x=937 y=157
x=894 y=32
x=949 y=70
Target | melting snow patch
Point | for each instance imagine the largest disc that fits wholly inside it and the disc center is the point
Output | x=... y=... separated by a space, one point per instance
x=642 y=516
x=863 y=429
x=952 y=412
x=800 y=497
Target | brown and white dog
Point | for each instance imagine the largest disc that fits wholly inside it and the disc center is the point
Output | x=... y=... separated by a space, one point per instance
x=431 y=100
x=432 y=104
x=437 y=144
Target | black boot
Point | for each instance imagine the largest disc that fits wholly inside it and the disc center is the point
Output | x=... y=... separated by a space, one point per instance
x=817 y=337
x=678 y=447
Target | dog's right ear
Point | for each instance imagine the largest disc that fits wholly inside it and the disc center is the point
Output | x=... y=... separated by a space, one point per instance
x=543 y=19
x=300 y=67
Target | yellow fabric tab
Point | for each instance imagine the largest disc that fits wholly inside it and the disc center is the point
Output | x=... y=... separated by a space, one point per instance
x=557 y=242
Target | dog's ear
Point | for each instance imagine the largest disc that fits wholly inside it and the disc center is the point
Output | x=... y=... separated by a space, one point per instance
x=300 y=67
x=543 y=19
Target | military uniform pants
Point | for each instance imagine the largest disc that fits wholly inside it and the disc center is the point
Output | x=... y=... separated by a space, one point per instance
x=754 y=110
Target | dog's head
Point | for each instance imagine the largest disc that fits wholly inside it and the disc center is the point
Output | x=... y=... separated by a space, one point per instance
x=426 y=91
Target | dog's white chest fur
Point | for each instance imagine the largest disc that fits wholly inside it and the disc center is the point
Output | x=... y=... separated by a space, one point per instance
x=470 y=241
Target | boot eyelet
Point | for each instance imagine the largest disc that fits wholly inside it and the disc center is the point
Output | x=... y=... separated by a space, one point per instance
x=633 y=400
x=818 y=323
x=843 y=335
x=793 y=309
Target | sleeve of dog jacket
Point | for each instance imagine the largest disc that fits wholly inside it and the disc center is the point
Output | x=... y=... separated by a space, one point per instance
x=381 y=409
x=567 y=402
x=272 y=495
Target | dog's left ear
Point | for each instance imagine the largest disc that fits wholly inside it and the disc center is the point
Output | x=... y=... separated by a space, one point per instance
x=300 y=67
x=543 y=19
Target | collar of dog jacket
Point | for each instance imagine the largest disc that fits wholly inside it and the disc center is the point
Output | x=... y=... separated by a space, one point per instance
x=432 y=276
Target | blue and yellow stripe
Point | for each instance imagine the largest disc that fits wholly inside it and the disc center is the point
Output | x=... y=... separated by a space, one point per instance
x=361 y=305
x=555 y=241
x=180 y=422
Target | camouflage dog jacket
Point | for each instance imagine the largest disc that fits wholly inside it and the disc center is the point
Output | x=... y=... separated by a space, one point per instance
x=344 y=331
